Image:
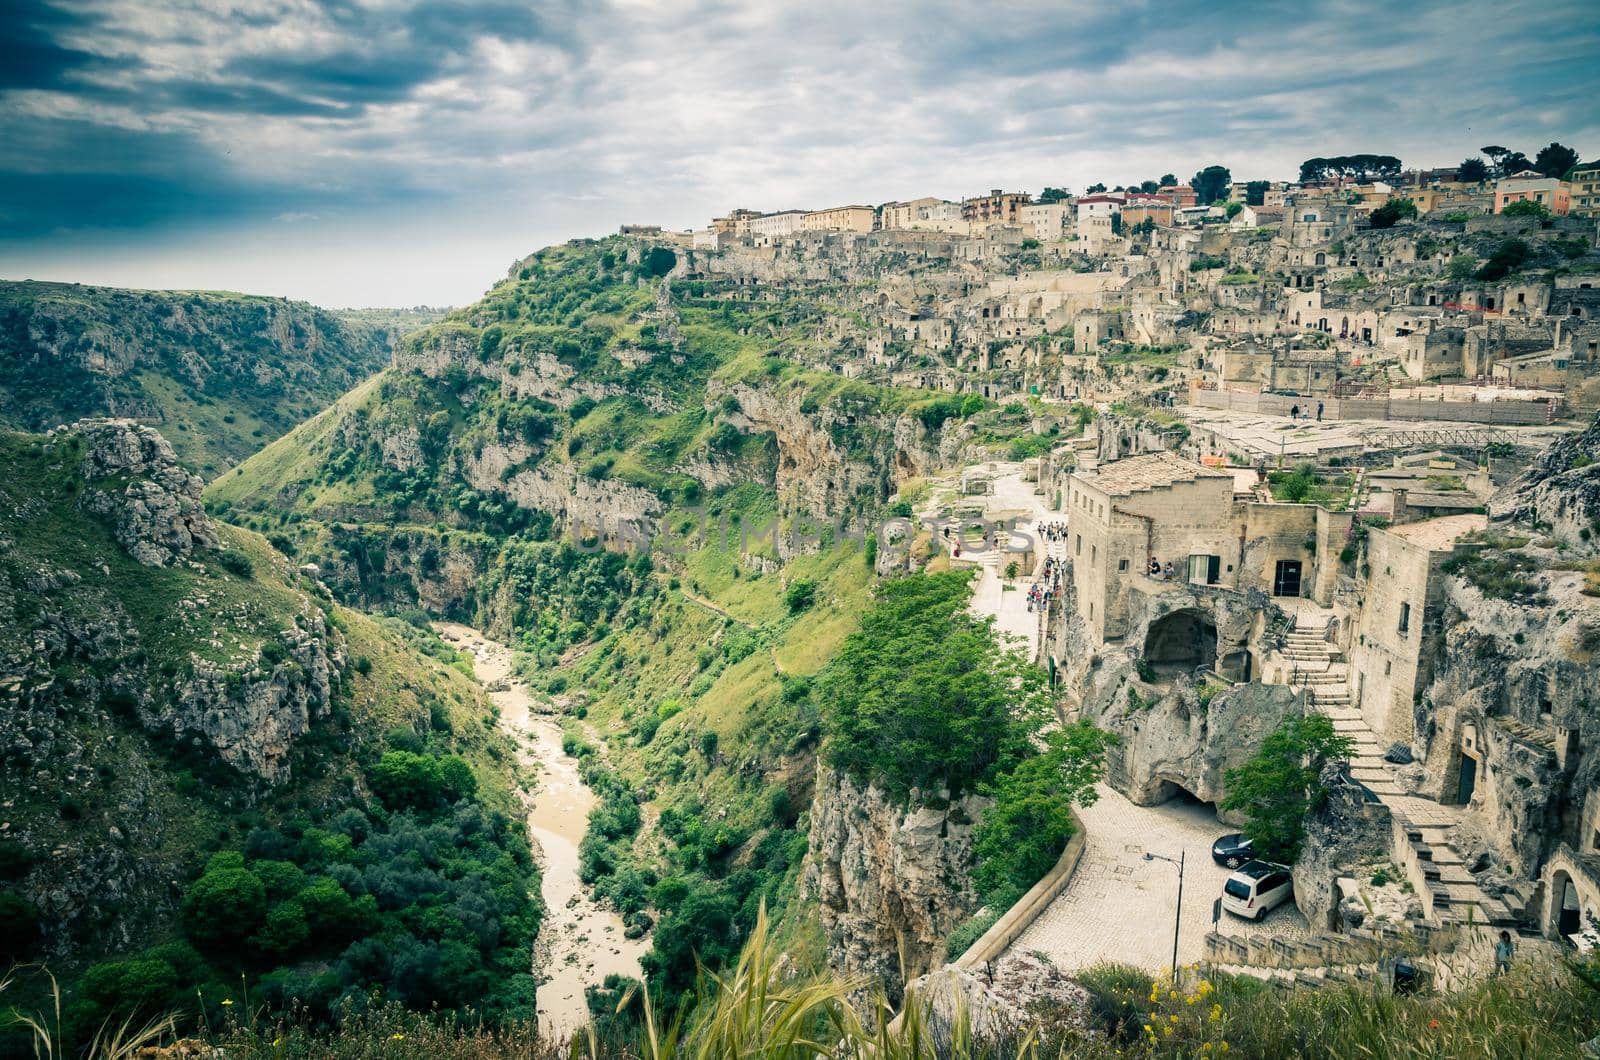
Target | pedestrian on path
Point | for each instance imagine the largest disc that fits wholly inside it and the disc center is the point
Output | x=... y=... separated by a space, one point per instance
x=1319 y=412
x=1504 y=950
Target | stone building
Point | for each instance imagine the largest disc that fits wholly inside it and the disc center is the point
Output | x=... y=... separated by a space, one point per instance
x=840 y=219
x=1391 y=646
x=1164 y=508
x=997 y=207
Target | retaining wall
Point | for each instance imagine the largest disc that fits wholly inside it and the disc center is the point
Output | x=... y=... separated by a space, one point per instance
x=1003 y=932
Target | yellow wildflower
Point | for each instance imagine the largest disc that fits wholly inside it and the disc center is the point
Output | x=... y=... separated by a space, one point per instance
x=1173 y=1018
x=397 y=1037
x=1224 y=1046
x=227 y=1001
x=1167 y=1031
x=1206 y=1048
x=1191 y=999
x=1216 y=1013
x=1205 y=987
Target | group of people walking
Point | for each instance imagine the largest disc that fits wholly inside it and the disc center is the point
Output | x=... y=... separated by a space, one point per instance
x=1053 y=531
x=1047 y=586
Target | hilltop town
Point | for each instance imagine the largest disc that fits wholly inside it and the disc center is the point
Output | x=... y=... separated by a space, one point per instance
x=1308 y=449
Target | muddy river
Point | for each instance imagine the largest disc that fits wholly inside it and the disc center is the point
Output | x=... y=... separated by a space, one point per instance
x=580 y=943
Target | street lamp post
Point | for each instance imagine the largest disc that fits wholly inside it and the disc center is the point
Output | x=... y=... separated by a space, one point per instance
x=1177 y=912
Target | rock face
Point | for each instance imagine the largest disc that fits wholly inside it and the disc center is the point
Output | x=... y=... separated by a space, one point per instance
x=1514 y=686
x=1019 y=992
x=1561 y=490
x=133 y=480
x=1345 y=830
x=891 y=879
x=1174 y=733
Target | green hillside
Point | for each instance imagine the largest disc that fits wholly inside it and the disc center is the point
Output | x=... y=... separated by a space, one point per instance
x=215 y=771
x=219 y=373
x=587 y=387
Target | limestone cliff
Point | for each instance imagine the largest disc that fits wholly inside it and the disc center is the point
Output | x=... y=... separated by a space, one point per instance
x=1560 y=490
x=891 y=878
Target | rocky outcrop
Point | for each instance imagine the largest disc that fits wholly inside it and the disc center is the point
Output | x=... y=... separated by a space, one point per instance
x=1560 y=491
x=1017 y=993
x=1346 y=831
x=75 y=351
x=890 y=878
x=1514 y=686
x=133 y=480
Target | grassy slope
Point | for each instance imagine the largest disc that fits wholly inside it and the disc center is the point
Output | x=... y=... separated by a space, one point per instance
x=219 y=373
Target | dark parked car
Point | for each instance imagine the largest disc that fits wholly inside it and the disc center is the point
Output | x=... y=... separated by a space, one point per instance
x=1232 y=850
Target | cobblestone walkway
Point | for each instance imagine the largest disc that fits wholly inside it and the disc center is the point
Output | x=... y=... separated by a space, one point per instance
x=1118 y=907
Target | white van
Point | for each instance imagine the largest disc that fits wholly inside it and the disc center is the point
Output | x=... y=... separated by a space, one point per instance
x=1256 y=889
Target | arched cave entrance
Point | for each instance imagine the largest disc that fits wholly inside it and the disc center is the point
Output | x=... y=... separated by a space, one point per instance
x=1181 y=642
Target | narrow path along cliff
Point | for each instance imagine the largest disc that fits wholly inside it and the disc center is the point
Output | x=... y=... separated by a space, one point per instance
x=580 y=942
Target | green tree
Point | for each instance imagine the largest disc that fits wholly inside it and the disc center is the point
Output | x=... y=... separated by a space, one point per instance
x=1167 y=181
x=1233 y=209
x=1095 y=189
x=1555 y=160
x=1211 y=184
x=1472 y=171
x=1023 y=833
x=923 y=695
x=1282 y=783
x=1053 y=194
x=1526 y=208
x=1392 y=212
x=285 y=932
x=226 y=905
x=1507 y=258
x=1255 y=192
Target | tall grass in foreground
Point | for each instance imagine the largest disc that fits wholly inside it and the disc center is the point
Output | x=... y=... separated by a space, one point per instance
x=765 y=1010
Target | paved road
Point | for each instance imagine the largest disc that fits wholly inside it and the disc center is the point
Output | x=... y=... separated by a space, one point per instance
x=1118 y=907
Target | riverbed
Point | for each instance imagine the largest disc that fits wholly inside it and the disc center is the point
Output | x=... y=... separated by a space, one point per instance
x=580 y=942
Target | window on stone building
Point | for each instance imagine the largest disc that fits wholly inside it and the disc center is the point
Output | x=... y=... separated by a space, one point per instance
x=1388 y=667
x=1122 y=564
x=1077 y=547
x=1405 y=618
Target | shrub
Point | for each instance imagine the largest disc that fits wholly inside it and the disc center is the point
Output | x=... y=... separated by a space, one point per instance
x=236 y=563
x=226 y=905
x=19 y=926
x=800 y=596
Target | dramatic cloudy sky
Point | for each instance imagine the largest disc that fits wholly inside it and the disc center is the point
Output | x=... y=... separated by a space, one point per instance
x=387 y=152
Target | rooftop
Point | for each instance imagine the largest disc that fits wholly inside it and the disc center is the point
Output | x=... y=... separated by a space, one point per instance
x=1439 y=535
x=1137 y=474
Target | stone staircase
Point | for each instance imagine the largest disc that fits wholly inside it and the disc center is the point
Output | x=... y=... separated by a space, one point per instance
x=1452 y=895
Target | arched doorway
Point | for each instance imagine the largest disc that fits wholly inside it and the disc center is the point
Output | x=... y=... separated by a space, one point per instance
x=1566 y=908
x=1182 y=642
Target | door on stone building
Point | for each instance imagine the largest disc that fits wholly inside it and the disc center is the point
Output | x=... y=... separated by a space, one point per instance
x=1205 y=570
x=1571 y=917
x=1469 y=779
x=1286 y=579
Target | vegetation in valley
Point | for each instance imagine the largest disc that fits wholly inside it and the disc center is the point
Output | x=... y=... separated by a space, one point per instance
x=393 y=861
